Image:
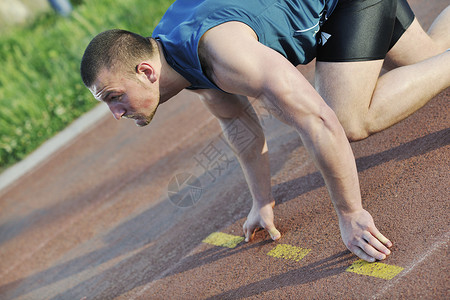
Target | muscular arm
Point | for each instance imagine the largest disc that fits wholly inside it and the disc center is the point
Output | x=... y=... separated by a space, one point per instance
x=240 y=65
x=235 y=114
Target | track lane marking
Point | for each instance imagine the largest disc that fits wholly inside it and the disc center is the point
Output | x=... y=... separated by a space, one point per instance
x=223 y=239
x=375 y=269
x=289 y=252
x=441 y=242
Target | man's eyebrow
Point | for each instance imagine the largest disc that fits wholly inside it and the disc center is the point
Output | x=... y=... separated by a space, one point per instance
x=105 y=96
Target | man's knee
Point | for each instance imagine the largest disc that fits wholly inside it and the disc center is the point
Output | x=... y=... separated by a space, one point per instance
x=356 y=129
x=357 y=135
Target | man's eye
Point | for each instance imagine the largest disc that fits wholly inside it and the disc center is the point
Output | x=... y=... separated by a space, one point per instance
x=116 y=98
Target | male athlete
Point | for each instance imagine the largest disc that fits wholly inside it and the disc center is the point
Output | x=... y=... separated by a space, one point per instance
x=227 y=51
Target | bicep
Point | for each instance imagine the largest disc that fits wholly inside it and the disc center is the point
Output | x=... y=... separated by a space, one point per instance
x=228 y=54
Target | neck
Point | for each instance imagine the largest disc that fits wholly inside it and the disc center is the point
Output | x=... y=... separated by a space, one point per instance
x=171 y=82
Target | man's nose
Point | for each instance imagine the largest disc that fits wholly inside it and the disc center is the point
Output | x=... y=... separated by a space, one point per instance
x=117 y=110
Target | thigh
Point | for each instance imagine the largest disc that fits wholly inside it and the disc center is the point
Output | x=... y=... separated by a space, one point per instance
x=362 y=30
x=358 y=30
x=348 y=87
x=413 y=46
x=348 y=68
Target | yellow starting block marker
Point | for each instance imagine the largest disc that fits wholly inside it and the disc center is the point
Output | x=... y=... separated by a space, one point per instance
x=375 y=269
x=223 y=239
x=288 y=252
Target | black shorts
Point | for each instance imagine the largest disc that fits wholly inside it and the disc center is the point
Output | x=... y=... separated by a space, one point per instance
x=360 y=30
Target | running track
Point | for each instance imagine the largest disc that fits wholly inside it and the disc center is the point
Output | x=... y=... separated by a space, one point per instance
x=100 y=217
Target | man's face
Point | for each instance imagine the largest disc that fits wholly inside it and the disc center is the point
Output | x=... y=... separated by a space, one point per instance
x=127 y=97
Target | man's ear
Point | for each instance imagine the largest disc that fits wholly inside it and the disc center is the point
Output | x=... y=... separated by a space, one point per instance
x=147 y=69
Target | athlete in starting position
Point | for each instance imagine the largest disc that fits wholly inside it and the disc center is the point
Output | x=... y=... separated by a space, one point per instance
x=226 y=51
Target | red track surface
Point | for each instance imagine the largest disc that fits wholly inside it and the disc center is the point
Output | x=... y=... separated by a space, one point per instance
x=95 y=221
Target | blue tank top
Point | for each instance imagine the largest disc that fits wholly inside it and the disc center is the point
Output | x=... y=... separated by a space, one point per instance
x=288 y=26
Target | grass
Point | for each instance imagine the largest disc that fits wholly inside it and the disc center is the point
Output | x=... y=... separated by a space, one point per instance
x=41 y=91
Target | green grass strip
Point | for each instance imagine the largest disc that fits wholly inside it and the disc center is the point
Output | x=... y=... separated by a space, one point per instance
x=41 y=91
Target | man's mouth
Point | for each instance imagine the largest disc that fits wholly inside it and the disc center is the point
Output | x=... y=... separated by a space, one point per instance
x=142 y=122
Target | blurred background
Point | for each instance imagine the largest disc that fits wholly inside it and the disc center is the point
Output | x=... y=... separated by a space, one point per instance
x=41 y=45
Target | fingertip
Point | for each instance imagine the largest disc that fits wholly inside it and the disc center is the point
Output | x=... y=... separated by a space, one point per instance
x=274 y=234
x=387 y=243
x=277 y=236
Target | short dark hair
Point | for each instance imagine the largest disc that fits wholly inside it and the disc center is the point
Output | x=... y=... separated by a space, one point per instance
x=114 y=48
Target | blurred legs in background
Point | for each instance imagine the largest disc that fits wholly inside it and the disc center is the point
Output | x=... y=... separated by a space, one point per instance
x=62 y=7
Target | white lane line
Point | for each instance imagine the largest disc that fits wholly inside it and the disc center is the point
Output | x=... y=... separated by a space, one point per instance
x=436 y=246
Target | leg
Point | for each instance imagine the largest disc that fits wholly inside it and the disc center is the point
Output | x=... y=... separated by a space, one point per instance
x=366 y=104
x=440 y=29
x=415 y=45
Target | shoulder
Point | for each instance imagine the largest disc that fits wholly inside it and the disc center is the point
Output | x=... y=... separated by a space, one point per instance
x=235 y=59
x=223 y=46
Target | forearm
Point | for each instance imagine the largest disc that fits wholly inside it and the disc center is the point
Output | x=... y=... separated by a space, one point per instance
x=327 y=143
x=253 y=156
x=324 y=139
x=245 y=136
